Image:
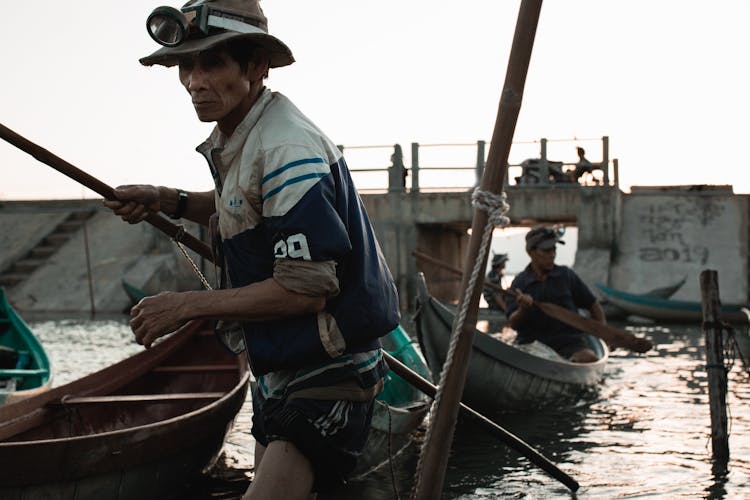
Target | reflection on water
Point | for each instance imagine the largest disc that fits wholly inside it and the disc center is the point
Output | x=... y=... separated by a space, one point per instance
x=644 y=433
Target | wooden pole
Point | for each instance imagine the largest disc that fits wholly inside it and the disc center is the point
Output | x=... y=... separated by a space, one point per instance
x=717 y=374
x=98 y=186
x=434 y=453
x=89 y=274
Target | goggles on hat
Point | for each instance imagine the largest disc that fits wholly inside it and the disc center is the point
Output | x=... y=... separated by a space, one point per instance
x=538 y=235
x=556 y=231
x=548 y=232
x=171 y=27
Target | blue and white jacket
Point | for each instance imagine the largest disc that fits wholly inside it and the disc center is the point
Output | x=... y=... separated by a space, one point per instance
x=283 y=191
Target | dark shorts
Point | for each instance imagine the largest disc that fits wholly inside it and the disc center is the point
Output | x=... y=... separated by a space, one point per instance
x=331 y=434
x=567 y=344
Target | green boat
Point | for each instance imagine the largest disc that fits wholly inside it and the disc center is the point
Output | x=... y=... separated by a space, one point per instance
x=24 y=366
x=667 y=309
x=400 y=408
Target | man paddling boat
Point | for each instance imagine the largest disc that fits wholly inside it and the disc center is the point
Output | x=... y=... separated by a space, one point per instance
x=545 y=281
x=309 y=286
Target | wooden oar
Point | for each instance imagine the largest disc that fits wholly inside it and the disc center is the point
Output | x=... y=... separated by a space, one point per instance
x=615 y=337
x=99 y=187
x=510 y=439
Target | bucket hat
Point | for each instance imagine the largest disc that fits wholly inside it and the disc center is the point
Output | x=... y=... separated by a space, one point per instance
x=499 y=258
x=252 y=26
x=542 y=237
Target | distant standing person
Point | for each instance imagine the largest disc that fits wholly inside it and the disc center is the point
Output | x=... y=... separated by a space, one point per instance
x=494 y=297
x=545 y=281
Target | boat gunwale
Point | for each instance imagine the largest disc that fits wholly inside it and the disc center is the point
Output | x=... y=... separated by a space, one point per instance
x=519 y=360
x=142 y=427
x=666 y=309
x=31 y=412
x=44 y=368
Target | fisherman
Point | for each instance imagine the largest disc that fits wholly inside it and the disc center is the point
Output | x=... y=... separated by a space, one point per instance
x=309 y=285
x=543 y=280
x=492 y=296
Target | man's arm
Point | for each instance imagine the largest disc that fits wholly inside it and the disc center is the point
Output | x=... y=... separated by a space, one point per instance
x=136 y=202
x=597 y=312
x=161 y=314
x=198 y=206
x=520 y=315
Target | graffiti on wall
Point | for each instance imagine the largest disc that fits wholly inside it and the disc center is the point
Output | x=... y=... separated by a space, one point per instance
x=669 y=227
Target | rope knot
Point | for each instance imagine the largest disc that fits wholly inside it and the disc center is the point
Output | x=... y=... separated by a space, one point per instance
x=496 y=206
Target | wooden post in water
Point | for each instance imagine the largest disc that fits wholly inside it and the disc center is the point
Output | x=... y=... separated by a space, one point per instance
x=717 y=374
x=436 y=448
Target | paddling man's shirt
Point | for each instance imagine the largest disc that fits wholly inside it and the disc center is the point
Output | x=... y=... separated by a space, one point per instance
x=288 y=209
x=562 y=287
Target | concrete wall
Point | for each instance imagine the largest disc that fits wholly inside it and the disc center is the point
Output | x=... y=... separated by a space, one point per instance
x=16 y=240
x=61 y=284
x=436 y=223
x=636 y=242
x=598 y=221
x=116 y=251
x=646 y=239
x=672 y=233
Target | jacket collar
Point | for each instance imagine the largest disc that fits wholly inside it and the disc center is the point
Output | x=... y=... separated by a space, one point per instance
x=221 y=150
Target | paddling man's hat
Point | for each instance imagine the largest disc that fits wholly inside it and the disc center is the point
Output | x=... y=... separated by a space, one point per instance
x=544 y=237
x=202 y=24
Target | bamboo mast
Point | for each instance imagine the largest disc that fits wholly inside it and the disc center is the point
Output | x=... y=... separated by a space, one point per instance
x=434 y=453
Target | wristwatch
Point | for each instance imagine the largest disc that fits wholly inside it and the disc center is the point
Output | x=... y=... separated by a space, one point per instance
x=182 y=198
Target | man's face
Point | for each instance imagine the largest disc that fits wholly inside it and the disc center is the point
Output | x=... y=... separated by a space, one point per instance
x=219 y=89
x=543 y=258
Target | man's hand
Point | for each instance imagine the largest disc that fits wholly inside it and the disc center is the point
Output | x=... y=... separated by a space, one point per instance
x=525 y=301
x=156 y=316
x=135 y=202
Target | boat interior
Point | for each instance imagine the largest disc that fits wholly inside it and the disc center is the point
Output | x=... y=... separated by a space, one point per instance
x=197 y=373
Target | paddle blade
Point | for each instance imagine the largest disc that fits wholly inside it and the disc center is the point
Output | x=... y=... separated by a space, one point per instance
x=615 y=337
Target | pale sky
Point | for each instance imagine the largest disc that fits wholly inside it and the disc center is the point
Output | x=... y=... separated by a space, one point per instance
x=666 y=80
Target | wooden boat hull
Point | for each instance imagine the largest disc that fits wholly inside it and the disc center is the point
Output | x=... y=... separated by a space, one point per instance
x=32 y=374
x=495 y=318
x=500 y=377
x=663 y=309
x=400 y=409
x=140 y=429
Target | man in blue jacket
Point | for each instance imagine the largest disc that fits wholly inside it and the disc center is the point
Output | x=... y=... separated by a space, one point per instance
x=307 y=280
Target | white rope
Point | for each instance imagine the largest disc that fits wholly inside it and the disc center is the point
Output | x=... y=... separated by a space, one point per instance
x=496 y=207
x=178 y=241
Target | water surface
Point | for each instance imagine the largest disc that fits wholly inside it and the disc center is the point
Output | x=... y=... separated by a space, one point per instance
x=644 y=433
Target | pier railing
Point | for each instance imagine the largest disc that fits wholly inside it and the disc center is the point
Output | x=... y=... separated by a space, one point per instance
x=459 y=166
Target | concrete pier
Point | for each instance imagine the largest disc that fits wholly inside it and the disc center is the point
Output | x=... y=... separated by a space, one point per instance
x=83 y=273
x=649 y=238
